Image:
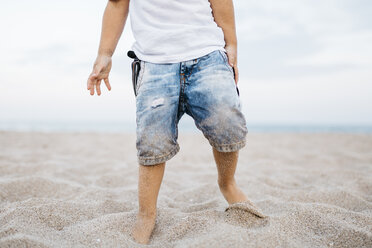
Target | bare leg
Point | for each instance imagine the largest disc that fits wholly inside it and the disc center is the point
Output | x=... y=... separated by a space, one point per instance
x=150 y=178
x=226 y=165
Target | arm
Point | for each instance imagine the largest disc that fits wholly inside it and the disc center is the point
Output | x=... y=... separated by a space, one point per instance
x=113 y=23
x=223 y=13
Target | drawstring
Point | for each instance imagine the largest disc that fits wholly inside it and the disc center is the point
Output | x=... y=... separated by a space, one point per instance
x=136 y=67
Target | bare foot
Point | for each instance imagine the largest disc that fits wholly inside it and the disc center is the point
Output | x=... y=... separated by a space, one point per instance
x=143 y=228
x=232 y=193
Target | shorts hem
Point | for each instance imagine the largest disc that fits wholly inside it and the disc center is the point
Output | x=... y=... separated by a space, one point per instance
x=158 y=159
x=229 y=147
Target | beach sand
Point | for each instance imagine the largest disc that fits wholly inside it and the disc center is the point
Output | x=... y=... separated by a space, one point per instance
x=80 y=190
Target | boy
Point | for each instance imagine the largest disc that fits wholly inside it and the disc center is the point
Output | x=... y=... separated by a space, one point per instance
x=188 y=63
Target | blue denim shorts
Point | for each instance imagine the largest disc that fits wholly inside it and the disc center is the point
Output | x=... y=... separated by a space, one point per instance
x=204 y=88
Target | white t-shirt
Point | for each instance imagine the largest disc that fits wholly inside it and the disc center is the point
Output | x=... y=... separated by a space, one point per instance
x=171 y=31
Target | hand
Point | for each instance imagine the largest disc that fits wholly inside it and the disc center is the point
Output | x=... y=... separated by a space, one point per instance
x=101 y=70
x=232 y=56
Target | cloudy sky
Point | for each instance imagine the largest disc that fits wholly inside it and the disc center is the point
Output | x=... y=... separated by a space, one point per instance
x=301 y=62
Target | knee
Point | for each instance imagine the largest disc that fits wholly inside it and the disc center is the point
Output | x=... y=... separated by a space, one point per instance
x=228 y=135
x=225 y=129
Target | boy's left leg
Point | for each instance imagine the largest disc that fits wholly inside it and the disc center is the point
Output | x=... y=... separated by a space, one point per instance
x=226 y=165
x=213 y=102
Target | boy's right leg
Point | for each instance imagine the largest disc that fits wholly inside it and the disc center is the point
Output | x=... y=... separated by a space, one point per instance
x=149 y=181
x=157 y=115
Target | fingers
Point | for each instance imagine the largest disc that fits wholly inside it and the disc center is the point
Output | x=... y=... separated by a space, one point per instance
x=101 y=70
x=233 y=63
x=95 y=82
x=236 y=71
x=92 y=89
x=107 y=82
x=98 y=87
x=92 y=80
x=231 y=57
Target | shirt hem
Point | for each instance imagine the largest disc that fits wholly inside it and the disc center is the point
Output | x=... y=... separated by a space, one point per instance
x=177 y=58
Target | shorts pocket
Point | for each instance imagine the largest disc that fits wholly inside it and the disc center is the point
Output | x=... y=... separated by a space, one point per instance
x=140 y=76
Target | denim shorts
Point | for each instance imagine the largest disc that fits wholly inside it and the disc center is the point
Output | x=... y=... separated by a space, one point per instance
x=204 y=88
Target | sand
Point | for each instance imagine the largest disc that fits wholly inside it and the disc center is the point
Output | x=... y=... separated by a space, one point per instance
x=80 y=190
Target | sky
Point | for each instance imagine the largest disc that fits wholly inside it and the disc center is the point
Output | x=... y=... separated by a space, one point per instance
x=300 y=62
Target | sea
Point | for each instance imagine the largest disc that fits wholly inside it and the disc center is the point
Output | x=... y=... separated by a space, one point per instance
x=183 y=126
